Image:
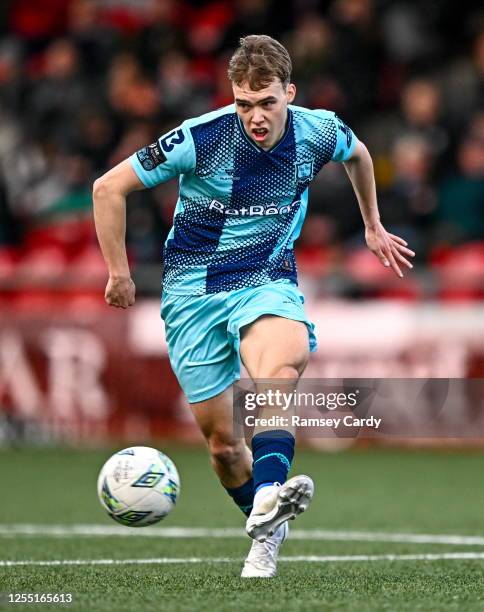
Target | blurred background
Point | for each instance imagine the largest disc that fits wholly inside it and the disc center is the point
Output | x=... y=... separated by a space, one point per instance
x=85 y=83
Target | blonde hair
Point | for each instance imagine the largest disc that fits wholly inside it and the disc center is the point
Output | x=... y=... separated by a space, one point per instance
x=259 y=60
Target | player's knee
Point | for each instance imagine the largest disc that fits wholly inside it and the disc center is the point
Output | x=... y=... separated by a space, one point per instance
x=289 y=372
x=225 y=451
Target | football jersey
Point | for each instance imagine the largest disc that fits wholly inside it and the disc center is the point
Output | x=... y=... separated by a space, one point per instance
x=240 y=207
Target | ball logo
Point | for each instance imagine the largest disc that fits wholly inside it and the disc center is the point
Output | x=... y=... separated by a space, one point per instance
x=130 y=517
x=149 y=479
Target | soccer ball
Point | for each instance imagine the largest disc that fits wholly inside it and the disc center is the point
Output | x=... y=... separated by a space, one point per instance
x=138 y=486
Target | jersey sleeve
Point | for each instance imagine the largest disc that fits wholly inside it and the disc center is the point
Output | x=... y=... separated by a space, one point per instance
x=345 y=140
x=171 y=155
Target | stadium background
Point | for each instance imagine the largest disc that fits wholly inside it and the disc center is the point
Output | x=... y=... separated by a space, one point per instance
x=84 y=83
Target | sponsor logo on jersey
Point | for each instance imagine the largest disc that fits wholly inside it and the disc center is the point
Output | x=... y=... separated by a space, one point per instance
x=228 y=176
x=257 y=210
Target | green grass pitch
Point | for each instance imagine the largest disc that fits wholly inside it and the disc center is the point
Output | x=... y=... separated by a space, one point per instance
x=385 y=494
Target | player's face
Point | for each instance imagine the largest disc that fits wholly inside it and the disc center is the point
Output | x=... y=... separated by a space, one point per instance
x=264 y=112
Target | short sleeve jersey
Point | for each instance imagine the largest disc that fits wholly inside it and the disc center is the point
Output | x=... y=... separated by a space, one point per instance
x=240 y=207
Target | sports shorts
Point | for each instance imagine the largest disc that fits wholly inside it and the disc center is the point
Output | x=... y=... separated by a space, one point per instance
x=203 y=332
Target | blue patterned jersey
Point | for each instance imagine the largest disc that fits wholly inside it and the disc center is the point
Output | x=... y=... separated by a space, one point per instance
x=240 y=208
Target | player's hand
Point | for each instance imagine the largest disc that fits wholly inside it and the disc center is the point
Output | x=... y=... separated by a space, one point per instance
x=391 y=250
x=120 y=292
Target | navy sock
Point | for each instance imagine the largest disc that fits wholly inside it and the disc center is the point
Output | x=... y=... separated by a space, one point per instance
x=243 y=496
x=272 y=453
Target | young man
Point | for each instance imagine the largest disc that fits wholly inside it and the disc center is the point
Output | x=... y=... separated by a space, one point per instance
x=229 y=280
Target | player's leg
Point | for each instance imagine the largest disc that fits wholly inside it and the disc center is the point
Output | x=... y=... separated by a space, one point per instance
x=276 y=350
x=275 y=347
x=203 y=359
x=231 y=459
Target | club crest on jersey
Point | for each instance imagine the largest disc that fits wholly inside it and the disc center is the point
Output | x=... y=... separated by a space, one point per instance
x=304 y=171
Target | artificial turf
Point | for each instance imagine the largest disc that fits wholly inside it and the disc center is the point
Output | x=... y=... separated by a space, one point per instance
x=366 y=490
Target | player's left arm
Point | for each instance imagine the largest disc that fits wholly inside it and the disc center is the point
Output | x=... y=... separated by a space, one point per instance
x=391 y=250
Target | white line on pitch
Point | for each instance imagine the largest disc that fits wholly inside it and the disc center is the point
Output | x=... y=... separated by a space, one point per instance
x=69 y=531
x=156 y=561
x=295 y=559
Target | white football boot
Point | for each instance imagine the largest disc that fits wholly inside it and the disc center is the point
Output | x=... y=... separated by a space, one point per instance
x=274 y=505
x=261 y=561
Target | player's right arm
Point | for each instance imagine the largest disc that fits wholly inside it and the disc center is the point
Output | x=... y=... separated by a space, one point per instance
x=109 y=200
x=171 y=155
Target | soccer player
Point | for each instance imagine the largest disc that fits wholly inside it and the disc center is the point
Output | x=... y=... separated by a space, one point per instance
x=230 y=290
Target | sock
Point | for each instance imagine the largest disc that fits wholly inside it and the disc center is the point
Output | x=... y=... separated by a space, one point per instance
x=272 y=453
x=243 y=496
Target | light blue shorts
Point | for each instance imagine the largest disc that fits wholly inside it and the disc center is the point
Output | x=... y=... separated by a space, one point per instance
x=203 y=332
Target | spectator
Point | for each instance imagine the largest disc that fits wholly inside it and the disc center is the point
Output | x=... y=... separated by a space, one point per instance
x=460 y=213
x=84 y=83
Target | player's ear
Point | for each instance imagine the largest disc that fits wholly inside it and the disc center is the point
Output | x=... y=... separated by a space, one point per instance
x=290 y=93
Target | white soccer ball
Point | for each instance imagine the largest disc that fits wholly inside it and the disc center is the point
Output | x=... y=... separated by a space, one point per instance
x=138 y=486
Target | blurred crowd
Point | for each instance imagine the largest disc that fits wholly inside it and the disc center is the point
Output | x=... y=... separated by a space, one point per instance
x=84 y=83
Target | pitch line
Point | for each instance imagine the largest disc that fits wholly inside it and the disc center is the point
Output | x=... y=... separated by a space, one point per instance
x=294 y=559
x=79 y=530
